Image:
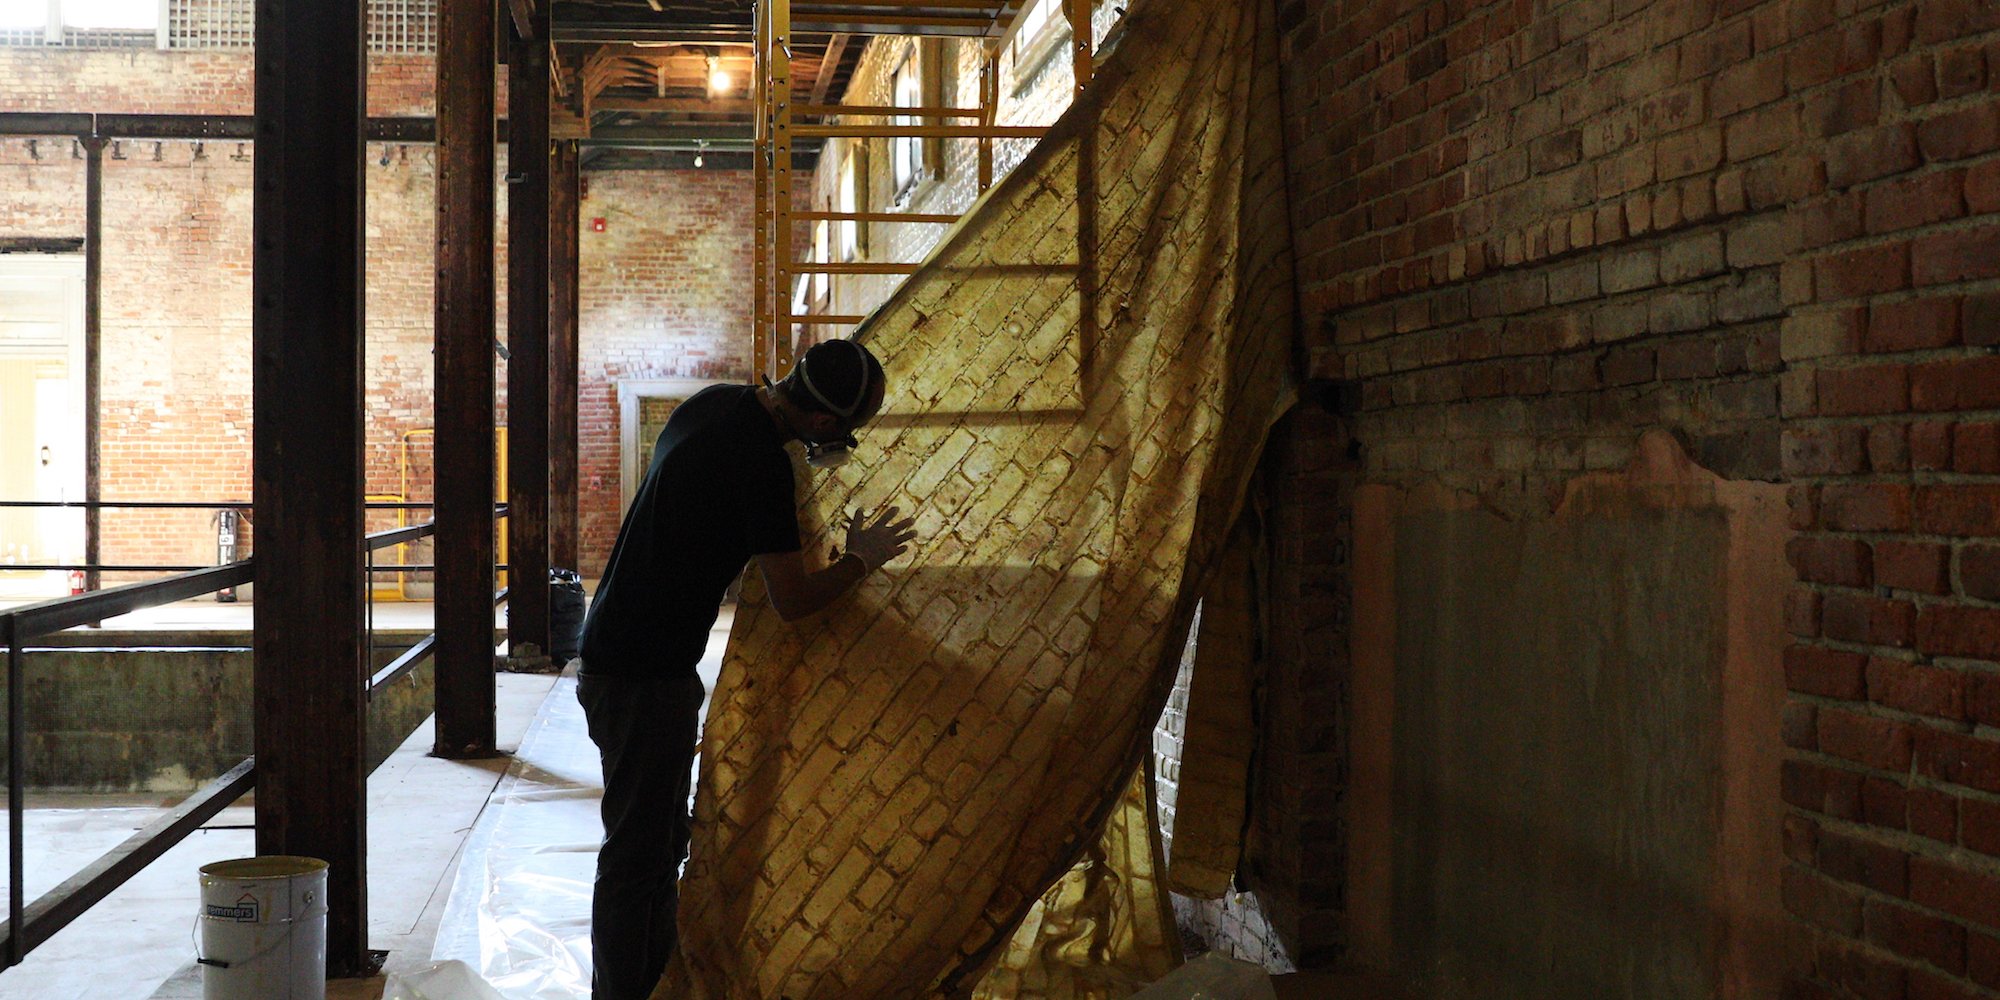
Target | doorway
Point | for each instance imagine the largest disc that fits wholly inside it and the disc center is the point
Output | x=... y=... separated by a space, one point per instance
x=643 y=408
x=41 y=418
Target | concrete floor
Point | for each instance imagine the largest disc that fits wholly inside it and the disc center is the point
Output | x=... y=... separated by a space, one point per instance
x=421 y=812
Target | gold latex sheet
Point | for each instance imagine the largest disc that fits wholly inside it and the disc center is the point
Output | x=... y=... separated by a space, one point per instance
x=1080 y=382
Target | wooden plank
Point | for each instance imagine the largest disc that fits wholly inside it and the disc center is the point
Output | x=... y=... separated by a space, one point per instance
x=564 y=538
x=861 y=267
x=872 y=217
x=93 y=357
x=930 y=131
x=989 y=103
x=307 y=376
x=880 y=110
x=873 y=23
x=829 y=64
x=463 y=346
x=524 y=19
x=528 y=344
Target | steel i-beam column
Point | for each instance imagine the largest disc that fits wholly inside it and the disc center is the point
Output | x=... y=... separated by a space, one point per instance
x=93 y=356
x=528 y=340
x=464 y=360
x=564 y=202
x=307 y=323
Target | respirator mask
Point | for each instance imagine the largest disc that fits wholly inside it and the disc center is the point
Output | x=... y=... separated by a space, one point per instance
x=834 y=454
x=830 y=454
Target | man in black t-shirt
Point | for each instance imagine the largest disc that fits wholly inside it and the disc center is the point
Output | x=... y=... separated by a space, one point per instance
x=719 y=492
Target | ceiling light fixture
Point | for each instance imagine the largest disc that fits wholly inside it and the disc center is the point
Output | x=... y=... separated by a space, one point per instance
x=718 y=81
x=701 y=146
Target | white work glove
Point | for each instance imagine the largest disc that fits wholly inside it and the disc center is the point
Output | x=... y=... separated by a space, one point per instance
x=877 y=543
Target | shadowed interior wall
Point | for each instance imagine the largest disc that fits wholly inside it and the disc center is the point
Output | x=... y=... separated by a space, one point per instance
x=1565 y=738
x=1557 y=691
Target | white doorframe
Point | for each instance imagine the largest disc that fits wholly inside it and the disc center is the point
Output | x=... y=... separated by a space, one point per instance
x=630 y=392
x=50 y=333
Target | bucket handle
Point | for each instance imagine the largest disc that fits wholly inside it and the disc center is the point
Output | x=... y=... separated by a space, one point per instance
x=194 y=935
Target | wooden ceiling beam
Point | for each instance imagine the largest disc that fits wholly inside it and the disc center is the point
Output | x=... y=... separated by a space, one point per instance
x=829 y=65
x=524 y=18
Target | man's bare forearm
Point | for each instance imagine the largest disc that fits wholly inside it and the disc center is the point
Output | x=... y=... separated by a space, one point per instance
x=826 y=585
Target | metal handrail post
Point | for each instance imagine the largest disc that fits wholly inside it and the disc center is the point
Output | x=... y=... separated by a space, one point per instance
x=17 y=799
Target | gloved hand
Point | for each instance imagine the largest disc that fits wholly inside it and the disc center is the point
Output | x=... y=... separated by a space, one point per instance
x=877 y=543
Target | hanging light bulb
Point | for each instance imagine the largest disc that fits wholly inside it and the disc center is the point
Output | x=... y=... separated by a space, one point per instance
x=718 y=81
x=700 y=148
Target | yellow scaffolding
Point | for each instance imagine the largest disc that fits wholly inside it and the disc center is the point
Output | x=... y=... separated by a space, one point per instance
x=775 y=329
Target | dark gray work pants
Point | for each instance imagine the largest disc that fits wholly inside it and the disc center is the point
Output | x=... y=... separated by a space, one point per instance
x=646 y=730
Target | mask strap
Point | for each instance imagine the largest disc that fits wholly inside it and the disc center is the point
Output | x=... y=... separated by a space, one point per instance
x=861 y=395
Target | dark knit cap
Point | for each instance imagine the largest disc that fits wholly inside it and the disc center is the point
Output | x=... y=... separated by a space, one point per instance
x=835 y=376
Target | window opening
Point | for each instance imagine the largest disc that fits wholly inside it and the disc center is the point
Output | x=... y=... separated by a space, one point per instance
x=906 y=151
x=850 y=201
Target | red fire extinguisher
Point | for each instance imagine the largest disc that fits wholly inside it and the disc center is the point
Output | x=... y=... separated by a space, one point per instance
x=75 y=582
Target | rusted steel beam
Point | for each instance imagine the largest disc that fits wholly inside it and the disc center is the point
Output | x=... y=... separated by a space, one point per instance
x=93 y=355
x=564 y=539
x=306 y=322
x=170 y=126
x=528 y=342
x=463 y=351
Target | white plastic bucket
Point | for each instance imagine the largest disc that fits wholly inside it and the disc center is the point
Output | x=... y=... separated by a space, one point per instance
x=263 y=929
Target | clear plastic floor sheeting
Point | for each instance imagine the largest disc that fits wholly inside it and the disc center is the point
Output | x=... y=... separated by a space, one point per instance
x=519 y=912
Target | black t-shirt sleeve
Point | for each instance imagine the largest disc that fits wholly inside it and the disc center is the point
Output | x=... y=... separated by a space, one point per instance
x=770 y=512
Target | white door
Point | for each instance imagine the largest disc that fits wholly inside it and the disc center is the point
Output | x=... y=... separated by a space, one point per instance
x=41 y=417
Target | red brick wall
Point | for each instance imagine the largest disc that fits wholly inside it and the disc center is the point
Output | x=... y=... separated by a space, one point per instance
x=665 y=295
x=661 y=288
x=1532 y=229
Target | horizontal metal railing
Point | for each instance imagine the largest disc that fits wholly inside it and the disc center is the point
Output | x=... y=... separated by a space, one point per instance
x=87 y=505
x=28 y=925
